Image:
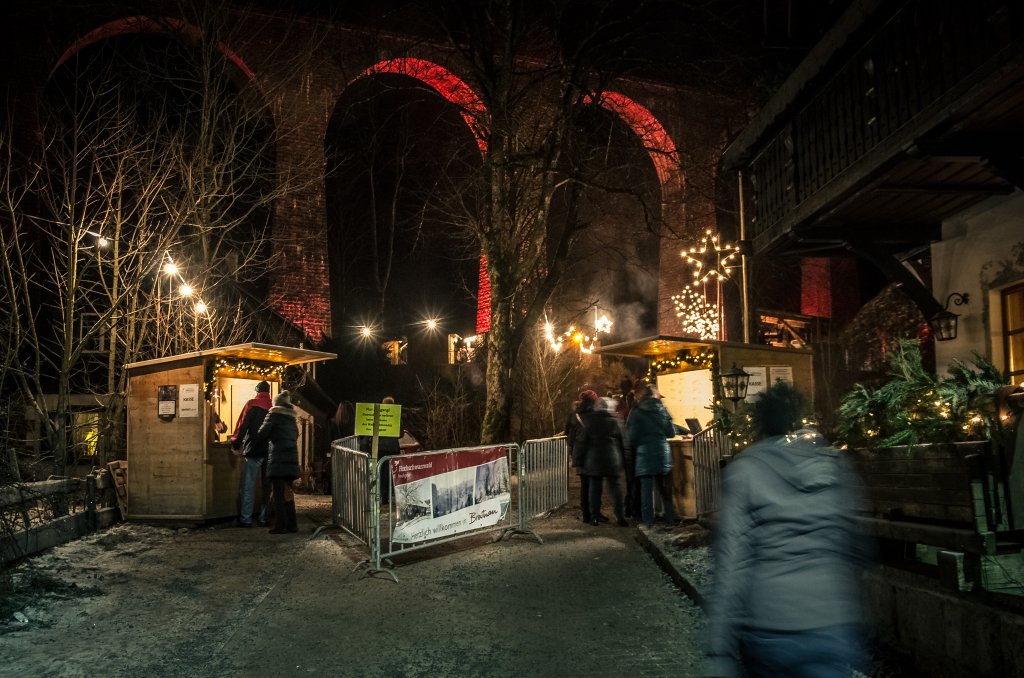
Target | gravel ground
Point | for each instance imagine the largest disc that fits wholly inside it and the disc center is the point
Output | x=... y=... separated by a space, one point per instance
x=140 y=601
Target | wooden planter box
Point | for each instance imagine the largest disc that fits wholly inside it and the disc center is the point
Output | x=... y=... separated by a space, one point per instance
x=950 y=483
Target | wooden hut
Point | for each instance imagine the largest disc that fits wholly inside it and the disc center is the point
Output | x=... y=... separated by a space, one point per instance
x=180 y=466
x=685 y=377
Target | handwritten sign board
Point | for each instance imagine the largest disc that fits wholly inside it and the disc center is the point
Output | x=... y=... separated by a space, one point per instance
x=389 y=426
x=188 y=400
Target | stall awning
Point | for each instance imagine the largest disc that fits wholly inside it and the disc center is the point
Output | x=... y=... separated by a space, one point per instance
x=267 y=352
x=651 y=347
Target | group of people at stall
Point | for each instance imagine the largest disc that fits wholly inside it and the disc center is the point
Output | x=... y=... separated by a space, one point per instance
x=267 y=437
x=609 y=438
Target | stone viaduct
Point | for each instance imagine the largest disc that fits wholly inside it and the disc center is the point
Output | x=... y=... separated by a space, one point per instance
x=684 y=130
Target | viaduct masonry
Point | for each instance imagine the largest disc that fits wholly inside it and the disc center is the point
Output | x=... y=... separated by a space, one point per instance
x=686 y=131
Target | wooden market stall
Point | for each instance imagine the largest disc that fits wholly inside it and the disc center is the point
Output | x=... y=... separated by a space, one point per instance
x=685 y=372
x=180 y=466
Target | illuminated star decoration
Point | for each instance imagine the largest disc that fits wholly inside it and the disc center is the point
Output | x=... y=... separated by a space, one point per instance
x=711 y=260
x=697 y=315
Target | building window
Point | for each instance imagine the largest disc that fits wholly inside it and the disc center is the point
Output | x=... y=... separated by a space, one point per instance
x=97 y=343
x=1013 y=332
x=397 y=351
x=85 y=433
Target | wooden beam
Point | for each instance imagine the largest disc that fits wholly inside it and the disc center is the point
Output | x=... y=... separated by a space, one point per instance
x=54 y=533
x=949 y=189
x=950 y=538
x=15 y=495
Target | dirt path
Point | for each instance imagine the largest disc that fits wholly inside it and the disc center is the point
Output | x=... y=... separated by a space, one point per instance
x=223 y=601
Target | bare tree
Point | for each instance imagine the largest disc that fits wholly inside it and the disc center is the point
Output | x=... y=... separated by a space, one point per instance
x=148 y=157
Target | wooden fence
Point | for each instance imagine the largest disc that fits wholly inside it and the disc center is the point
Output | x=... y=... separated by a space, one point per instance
x=25 y=527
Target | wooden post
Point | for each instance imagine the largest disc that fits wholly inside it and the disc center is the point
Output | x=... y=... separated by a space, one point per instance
x=90 y=493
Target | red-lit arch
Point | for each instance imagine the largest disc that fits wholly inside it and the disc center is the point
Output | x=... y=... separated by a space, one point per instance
x=448 y=85
x=144 y=24
x=654 y=137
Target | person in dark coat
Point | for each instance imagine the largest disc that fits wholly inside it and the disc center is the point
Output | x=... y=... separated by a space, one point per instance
x=601 y=443
x=649 y=428
x=255 y=452
x=788 y=554
x=281 y=433
x=573 y=428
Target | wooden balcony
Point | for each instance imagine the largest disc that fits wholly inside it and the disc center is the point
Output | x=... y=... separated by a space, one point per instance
x=904 y=114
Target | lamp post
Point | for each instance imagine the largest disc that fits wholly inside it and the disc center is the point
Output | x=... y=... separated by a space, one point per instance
x=944 y=323
x=734 y=382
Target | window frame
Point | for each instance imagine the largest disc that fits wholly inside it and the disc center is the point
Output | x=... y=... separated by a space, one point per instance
x=1007 y=333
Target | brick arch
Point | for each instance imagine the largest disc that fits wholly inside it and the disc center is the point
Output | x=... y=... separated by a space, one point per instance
x=654 y=137
x=143 y=24
x=447 y=84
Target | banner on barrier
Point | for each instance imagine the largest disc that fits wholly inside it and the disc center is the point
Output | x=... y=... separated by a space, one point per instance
x=440 y=495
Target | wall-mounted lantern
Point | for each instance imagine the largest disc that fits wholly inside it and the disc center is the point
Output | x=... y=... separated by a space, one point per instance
x=944 y=323
x=734 y=383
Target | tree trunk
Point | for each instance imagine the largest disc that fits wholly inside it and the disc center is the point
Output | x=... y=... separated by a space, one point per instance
x=496 y=426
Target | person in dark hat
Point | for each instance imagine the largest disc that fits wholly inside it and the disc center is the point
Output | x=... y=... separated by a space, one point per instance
x=281 y=432
x=573 y=427
x=244 y=442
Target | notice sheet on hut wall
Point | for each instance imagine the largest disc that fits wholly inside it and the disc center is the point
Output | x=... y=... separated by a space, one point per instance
x=440 y=495
x=166 y=401
x=783 y=373
x=756 y=384
x=188 y=395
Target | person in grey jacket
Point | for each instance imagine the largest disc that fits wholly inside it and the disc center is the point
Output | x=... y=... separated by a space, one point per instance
x=648 y=430
x=788 y=555
x=601 y=445
x=281 y=431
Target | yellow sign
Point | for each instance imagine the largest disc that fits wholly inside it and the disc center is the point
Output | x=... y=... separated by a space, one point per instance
x=390 y=421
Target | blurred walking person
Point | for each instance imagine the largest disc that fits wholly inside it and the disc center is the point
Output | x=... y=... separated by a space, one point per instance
x=649 y=428
x=601 y=444
x=573 y=429
x=788 y=556
x=281 y=432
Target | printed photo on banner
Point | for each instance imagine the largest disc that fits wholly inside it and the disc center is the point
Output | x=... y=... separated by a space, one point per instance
x=439 y=495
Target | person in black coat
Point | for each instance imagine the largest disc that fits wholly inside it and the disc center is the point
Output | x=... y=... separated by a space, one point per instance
x=281 y=432
x=601 y=444
x=573 y=428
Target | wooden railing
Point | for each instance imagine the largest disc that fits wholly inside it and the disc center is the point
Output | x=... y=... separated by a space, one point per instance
x=913 y=61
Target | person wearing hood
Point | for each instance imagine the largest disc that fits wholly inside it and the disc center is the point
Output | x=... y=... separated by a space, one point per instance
x=601 y=444
x=281 y=433
x=648 y=430
x=573 y=427
x=788 y=555
x=254 y=450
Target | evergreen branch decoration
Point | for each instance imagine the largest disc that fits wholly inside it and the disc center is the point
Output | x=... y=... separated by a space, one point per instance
x=917 y=407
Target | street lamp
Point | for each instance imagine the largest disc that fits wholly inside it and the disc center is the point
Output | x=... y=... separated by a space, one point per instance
x=185 y=290
x=944 y=323
x=734 y=383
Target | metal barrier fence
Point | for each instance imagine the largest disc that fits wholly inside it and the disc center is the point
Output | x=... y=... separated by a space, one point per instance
x=384 y=524
x=350 y=488
x=708 y=447
x=543 y=478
